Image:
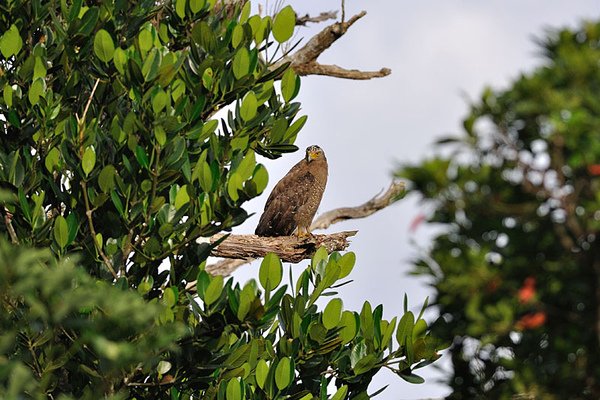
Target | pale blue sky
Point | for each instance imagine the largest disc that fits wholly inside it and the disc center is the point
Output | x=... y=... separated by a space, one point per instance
x=439 y=51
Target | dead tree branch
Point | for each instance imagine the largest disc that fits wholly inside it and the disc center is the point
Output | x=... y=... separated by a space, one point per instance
x=378 y=202
x=324 y=16
x=289 y=248
x=304 y=61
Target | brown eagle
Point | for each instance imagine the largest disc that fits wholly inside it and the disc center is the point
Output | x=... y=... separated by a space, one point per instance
x=294 y=201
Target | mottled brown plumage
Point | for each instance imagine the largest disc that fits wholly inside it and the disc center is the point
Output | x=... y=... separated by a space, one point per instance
x=295 y=199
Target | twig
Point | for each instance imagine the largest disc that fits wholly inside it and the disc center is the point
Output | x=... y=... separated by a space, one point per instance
x=380 y=201
x=304 y=61
x=11 y=230
x=81 y=121
x=324 y=16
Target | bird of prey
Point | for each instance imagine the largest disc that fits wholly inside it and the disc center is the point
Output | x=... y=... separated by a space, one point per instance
x=294 y=201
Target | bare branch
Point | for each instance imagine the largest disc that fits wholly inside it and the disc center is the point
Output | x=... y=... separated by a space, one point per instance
x=226 y=266
x=289 y=248
x=377 y=203
x=304 y=61
x=339 y=72
x=324 y=16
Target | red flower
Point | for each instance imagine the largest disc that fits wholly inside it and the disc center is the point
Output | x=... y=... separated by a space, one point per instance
x=531 y=321
x=594 y=169
x=527 y=291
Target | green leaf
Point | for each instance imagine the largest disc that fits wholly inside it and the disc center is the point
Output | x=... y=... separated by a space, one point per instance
x=411 y=378
x=180 y=8
x=104 y=47
x=293 y=130
x=249 y=106
x=405 y=328
x=270 y=272
x=234 y=391
x=387 y=333
x=341 y=393
x=419 y=329
x=241 y=63
x=260 y=178
x=332 y=313
x=365 y=364
x=349 y=323
x=213 y=290
x=346 y=263
x=7 y=94
x=284 y=24
x=61 y=231
x=141 y=156
x=36 y=90
x=245 y=12
x=290 y=85
x=284 y=373
x=39 y=69
x=89 y=160
x=170 y=296
x=182 y=197
x=197 y=5
x=145 y=40
x=120 y=60
x=207 y=78
x=117 y=202
x=237 y=36
x=246 y=166
x=205 y=177
x=233 y=185
x=52 y=159
x=261 y=372
x=73 y=225
x=151 y=65
x=11 y=42
x=159 y=101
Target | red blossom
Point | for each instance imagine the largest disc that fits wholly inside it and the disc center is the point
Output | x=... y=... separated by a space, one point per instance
x=527 y=291
x=531 y=321
x=594 y=169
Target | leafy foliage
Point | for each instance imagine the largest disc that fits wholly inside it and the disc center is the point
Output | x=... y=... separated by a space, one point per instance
x=128 y=130
x=516 y=271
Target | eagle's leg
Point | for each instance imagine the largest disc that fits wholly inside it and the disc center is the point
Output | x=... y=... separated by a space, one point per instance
x=303 y=232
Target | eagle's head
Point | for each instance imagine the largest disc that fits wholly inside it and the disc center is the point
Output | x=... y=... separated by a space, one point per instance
x=314 y=152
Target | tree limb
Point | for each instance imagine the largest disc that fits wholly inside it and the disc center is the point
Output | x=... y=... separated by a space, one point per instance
x=324 y=16
x=289 y=248
x=381 y=200
x=304 y=61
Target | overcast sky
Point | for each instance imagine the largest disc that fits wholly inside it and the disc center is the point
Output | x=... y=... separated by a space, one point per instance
x=442 y=53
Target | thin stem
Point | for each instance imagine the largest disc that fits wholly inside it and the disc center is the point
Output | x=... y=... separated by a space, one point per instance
x=81 y=121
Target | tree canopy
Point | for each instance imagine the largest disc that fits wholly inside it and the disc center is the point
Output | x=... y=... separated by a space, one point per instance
x=129 y=135
x=516 y=270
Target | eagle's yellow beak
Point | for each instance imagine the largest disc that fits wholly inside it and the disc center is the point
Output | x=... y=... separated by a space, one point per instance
x=311 y=155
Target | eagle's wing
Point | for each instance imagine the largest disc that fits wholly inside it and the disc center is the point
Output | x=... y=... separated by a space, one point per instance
x=290 y=193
